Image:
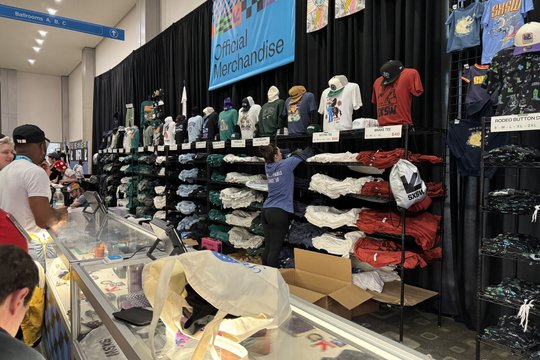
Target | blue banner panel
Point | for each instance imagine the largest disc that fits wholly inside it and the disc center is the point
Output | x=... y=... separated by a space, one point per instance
x=250 y=37
x=60 y=22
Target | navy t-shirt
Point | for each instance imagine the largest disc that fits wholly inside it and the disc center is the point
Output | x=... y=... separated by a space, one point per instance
x=298 y=114
x=464 y=27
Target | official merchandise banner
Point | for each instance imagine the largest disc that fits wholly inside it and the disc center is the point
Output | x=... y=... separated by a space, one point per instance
x=250 y=37
x=348 y=7
x=317 y=15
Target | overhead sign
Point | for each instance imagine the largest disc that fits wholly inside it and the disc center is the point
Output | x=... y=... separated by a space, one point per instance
x=250 y=37
x=35 y=17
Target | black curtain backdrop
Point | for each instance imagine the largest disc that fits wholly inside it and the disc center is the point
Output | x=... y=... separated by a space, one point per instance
x=412 y=31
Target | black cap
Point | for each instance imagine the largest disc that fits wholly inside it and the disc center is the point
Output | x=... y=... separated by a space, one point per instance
x=390 y=71
x=28 y=134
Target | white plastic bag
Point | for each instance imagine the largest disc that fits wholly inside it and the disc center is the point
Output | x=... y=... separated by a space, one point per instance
x=406 y=184
x=257 y=294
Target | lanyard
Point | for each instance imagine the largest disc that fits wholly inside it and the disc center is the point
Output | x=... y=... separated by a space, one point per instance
x=23 y=157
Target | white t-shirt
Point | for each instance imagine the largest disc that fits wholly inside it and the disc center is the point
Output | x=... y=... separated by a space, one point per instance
x=20 y=180
x=338 y=110
x=247 y=121
x=194 y=127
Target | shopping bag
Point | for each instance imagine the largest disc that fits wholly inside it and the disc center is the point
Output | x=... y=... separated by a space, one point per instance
x=406 y=184
x=256 y=294
x=33 y=318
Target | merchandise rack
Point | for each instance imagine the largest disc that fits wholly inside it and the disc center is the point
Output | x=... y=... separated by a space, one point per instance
x=355 y=136
x=483 y=255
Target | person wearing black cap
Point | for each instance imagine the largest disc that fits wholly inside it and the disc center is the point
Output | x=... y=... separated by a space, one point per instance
x=25 y=190
x=393 y=92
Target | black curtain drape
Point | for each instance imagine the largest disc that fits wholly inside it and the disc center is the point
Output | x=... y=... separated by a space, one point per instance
x=412 y=31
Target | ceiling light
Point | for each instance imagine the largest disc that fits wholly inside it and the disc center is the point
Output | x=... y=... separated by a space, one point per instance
x=36 y=48
x=40 y=41
x=32 y=61
x=57 y=1
x=43 y=33
x=51 y=11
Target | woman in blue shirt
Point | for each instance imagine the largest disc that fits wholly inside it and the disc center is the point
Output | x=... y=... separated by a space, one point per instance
x=279 y=204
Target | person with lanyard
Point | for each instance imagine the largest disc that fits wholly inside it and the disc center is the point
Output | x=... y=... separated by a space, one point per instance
x=7 y=151
x=25 y=190
x=278 y=207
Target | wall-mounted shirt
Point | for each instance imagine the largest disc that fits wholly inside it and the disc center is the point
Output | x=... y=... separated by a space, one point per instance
x=464 y=27
x=338 y=109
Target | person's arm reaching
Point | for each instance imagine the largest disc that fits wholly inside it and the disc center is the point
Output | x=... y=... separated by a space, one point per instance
x=44 y=215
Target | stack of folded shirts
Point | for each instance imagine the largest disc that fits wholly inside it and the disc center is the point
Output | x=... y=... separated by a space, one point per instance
x=326 y=216
x=239 y=198
x=243 y=239
x=334 y=188
x=241 y=218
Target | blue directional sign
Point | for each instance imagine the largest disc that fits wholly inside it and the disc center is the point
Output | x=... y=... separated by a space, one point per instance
x=60 y=22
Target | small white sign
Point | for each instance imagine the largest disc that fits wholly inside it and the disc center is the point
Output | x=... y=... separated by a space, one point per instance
x=173 y=147
x=100 y=151
x=324 y=137
x=121 y=151
x=200 y=145
x=218 y=144
x=238 y=143
x=523 y=122
x=383 y=132
x=151 y=148
x=263 y=141
x=161 y=148
x=141 y=149
x=186 y=146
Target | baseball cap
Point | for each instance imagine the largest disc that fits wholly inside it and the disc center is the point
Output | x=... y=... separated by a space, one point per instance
x=60 y=165
x=527 y=38
x=337 y=84
x=390 y=71
x=313 y=128
x=74 y=186
x=28 y=134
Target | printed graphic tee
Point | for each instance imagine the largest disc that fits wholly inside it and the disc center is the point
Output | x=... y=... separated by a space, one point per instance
x=501 y=21
x=475 y=76
x=394 y=100
x=270 y=118
x=194 y=127
x=247 y=121
x=517 y=79
x=227 y=121
x=464 y=27
x=338 y=110
x=298 y=114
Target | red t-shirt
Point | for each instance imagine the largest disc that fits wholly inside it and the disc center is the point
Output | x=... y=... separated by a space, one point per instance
x=394 y=100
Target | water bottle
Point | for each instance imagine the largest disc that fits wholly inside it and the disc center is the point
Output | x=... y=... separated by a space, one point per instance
x=58 y=199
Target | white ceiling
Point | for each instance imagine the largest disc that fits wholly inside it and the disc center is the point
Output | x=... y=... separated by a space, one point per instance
x=61 y=51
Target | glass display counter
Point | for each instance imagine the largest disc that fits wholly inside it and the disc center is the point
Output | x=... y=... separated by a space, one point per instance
x=310 y=332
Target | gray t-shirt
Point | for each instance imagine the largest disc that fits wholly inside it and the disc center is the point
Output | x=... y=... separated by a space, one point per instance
x=11 y=348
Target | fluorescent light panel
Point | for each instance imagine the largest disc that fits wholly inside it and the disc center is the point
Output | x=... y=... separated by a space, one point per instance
x=36 y=48
x=32 y=61
x=40 y=41
x=43 y=33
x=51 y=11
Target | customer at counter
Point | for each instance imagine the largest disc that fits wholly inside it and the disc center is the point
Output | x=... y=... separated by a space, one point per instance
x=76 y=193
x=25 y=190
x=19 y=279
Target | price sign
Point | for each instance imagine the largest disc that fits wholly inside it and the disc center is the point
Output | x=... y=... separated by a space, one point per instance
x=238 y=143
x=100 y=151
x=141 y=149
x=200 y=145
x=151 y=148
x=327 y=136
x=173 y=147
x=121 y=151
x=383 y=132
x=161 y=148
x=523 y=122
x=186 y=146
x=109 y=151
x=218 y=144
x=261 y=141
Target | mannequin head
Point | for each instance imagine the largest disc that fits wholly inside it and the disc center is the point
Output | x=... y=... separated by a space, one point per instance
x=168 y=119
x=227 y=103
x=337 y=83
x=180 y=118
x=273 y=93
x=194 y=111
x=296 y=93
x=390 y=71
x=247 y=103
x=208 y=110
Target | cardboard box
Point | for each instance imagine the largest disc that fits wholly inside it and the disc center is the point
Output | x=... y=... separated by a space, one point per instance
x=392 y=294
x=326 y=281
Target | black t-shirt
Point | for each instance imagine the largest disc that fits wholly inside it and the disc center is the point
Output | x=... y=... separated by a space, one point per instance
x=517 y=77
x=55 y=174
x=180 y=131
x=11 y=348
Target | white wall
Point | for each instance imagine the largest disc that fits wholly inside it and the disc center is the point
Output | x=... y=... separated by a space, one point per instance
x=174 y=10
x=110 y=53
x=39 y=102
x=75 y=104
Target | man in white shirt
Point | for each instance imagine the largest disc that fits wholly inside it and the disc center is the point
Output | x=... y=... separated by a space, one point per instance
x=24 y=189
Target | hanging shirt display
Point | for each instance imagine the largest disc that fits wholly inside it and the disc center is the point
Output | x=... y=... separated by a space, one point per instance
x=180 y=131
x=517 y=78
x=500 y=22
x=270 y=118
x=227 y=121
x=394 y=100
x=464 y=27
x=297 y=113
x=194 y=128
x=169 y=131
x=475 y=76
x=210 y=126
x=147 y=112
x=337 y=107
